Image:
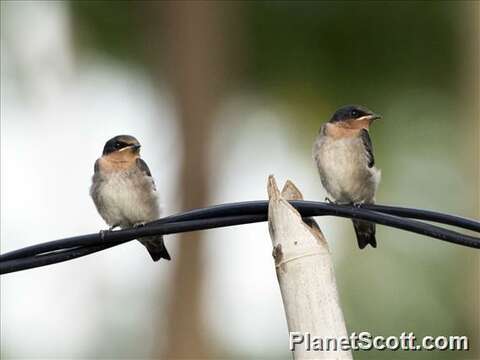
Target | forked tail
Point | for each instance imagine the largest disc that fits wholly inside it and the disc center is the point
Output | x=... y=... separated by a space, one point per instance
x=365 y=233
x=156 y=247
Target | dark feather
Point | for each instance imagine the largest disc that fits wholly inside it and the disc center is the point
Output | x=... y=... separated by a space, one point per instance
x=142 y=165
x=367 y=143
x=156 y=247
x=365 y=232
x=96 y=167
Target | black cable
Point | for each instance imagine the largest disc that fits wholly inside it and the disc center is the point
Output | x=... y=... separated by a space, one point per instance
x=235 y=214
x=309 y=208
x=23 y=263
x=306 y=208
x=427 y=215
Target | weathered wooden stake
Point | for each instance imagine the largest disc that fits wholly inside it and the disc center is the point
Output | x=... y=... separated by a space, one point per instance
x=305 y=274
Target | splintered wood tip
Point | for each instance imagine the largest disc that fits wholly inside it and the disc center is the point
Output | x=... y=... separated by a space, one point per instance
x=272 y=188
x=291 y=192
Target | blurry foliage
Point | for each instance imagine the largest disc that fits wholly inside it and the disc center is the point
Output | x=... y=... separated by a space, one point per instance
x=336 y=48
x=312 y=55
x=109 y=27
x=351 y=46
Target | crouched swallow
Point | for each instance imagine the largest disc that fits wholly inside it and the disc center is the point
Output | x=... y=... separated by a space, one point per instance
x=124 y=192
x=344 y=156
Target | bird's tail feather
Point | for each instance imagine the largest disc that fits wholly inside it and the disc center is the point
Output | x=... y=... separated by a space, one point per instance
x=156 y=247
x=365 y=232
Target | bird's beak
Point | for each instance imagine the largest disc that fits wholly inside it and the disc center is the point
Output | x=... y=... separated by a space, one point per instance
x=134 y=147
x=372 y=117
x=369 y=117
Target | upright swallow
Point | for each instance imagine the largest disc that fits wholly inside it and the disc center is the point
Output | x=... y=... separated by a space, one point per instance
x=124 y=192
x=344 y=156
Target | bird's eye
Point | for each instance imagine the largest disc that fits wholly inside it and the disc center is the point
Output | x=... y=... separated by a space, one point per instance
x=354 y=113
x=118 y=145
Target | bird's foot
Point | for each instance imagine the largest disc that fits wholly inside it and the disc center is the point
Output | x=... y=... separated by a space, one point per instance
x=358 y=205
x=139 y=224
x=327 y=200
x=103 y=233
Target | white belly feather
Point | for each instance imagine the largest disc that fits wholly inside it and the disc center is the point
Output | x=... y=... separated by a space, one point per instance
x=127 y=200
x=344 y=171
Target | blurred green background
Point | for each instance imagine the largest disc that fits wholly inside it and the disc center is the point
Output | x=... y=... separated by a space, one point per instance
x=244 y=81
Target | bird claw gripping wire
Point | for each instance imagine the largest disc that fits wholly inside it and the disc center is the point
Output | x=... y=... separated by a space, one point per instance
x=104 y=233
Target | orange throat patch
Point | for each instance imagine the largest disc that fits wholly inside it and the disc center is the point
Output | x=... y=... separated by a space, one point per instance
x=118 y=161
x=346 y=129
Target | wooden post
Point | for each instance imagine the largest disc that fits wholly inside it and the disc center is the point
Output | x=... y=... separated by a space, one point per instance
x=305 y=274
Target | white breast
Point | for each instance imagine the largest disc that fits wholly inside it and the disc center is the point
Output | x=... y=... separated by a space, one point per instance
x=128 y=199
x=344 y=171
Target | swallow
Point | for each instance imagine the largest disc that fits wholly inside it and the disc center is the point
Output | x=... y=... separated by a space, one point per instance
x=124 y=192
x=343 y=153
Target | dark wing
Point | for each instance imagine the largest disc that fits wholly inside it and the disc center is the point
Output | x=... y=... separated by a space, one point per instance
x=367 y=144
x=142 y=165
x=96 y=167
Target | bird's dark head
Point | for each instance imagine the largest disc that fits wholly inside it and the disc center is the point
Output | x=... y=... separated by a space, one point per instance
x=121 y=144
x=353 y=113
